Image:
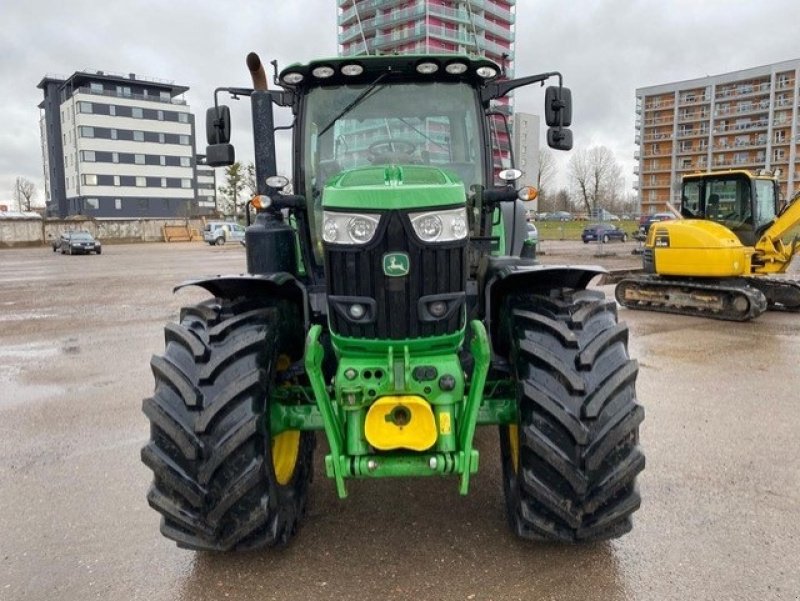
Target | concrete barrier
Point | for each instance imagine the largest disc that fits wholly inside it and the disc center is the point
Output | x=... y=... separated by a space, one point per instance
x=27 y=231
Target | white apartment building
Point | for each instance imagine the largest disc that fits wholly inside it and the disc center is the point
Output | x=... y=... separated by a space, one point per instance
x=118 y=146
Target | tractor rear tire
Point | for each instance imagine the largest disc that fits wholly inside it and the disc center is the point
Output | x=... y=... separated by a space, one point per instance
x=570 y=464
x=216 y=482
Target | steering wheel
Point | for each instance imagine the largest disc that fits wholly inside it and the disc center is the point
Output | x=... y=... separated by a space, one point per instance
x=391 y=151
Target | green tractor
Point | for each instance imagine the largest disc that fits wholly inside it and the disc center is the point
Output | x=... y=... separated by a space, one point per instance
x=390 y=304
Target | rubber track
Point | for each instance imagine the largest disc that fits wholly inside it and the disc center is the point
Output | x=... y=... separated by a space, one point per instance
x=579 y=420
x=209 y=437
x=757 y=303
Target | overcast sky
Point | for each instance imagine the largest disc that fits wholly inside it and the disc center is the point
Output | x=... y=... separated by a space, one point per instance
x=604 y=48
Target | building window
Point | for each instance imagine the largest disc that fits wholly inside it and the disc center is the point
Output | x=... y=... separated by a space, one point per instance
x=115 y=157
x=183 y=117
x=186 y=183
x=138 y=136
x=136 y=112
x=162 y=160
x=160 y=138
x=164 y=96
x=163 y=182
x=778 y=154
x=93 y=203
x=123 y=90
x=114 y=134
x=116 y=180
x=138 y=159
x=118 y=204
x=160 y=115
x=141 y=182
x=780 y=135
x=186 y=162
x=183 y=140
x=89 y=179
x=87 y=132
x=85 y=107
x=96 y=87
x=88 y=156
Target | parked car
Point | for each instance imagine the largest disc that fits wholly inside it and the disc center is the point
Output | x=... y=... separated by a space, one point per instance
x=220 y=232
x=558 y=216
x=532 y=233
x=603 y=231
x=78 y=243
x=646 y=220
x=56 y=242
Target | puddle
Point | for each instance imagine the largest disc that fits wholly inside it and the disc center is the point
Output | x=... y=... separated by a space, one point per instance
x=15 y=394
x=26 y=316
x=28 y=352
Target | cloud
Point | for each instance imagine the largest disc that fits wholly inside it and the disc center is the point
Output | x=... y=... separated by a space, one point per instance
x=605 y=49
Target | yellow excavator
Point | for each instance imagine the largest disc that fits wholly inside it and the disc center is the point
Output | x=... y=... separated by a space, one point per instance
x=726 y=254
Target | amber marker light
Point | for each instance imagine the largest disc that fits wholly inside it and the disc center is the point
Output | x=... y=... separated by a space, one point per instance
x=527 y=193
x=261 y=202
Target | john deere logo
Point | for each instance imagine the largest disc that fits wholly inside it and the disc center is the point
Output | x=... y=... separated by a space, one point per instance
x=395 y=264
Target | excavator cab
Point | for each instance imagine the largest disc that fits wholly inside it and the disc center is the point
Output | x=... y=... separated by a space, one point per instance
x=744 y=203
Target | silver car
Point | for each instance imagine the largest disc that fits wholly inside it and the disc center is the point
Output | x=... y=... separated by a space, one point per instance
x=219 y=232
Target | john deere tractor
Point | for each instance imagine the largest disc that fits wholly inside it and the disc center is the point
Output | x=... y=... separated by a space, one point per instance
x=387 y=305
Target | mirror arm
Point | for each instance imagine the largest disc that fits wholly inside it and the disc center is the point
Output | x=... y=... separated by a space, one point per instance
x=499 y=89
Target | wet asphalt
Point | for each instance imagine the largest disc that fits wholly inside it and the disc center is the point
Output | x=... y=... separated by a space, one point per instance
x=720 y=516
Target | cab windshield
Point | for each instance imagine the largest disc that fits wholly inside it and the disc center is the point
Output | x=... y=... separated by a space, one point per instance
x=432 y=124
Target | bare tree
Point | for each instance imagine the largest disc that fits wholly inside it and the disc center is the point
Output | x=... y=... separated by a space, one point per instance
x=250 y=179
x=24 y=190
x=596 y=176
x=547 y=169
x=230 y=190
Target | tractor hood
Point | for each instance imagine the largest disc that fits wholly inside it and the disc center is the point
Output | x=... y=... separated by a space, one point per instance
x=391 y=187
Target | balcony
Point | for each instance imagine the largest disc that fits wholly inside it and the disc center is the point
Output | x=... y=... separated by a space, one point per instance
x=743 y=90
x=452 y=14
x=636 y=155
x=657 y=137
x=149 y=97
x=753 y=125
x=686 y=100
x=659 y=106
x=395 y=16
x=498 y=11
x=387 y=40
x=693 y=133
x=698 y=116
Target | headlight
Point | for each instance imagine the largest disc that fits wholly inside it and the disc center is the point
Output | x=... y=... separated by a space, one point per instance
x=348 y=228
x=440 y=226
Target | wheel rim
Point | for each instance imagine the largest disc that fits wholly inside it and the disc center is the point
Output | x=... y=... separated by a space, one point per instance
x=285 y=450
x=513 y=446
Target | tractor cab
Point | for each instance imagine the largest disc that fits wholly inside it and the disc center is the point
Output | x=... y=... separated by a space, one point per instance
x=744 y=203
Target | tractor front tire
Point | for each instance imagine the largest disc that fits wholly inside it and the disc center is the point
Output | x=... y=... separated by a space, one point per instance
x=570 y=463
x=221 y=481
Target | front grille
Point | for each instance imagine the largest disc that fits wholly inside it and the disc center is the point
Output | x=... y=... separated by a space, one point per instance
x=357 y=273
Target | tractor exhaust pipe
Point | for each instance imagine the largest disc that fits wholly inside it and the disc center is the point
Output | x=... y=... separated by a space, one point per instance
x=257 y=73
x=263 y=123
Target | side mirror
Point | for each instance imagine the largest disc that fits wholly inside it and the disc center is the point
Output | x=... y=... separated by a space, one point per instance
x=558 y=106
x=559 y=138
x=220 y=155
x=218 y=125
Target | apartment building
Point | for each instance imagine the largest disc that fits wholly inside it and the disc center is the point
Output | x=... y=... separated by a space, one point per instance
x=472 y=27
x=741 y=120
x=118 y=146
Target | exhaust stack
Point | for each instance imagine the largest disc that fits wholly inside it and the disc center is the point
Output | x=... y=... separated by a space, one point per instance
x=257 y=73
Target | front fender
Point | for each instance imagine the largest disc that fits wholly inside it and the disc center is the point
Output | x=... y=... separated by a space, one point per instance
x=281 y=285
x=512 y=275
